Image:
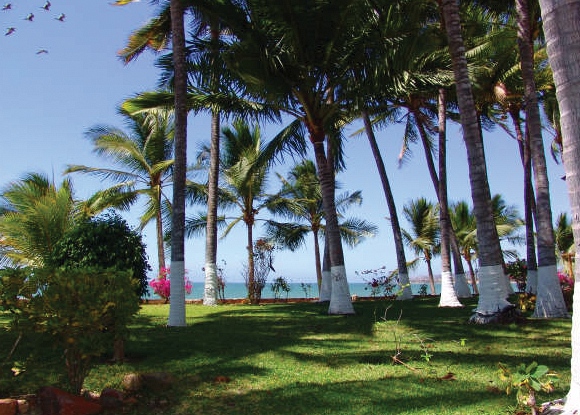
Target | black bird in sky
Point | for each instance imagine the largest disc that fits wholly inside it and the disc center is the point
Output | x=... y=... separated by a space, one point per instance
x=60 y=17
x=9 y=31
x=46 y=6
x=30 y=17
x=7 y=6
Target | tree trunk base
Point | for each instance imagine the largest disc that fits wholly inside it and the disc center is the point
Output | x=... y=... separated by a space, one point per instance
x=509 y=314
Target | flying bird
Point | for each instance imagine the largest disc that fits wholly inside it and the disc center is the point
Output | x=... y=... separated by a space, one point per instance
x=46 y=6
x=7 y=6
x=30 y=17
x=41 y=51
x=9 y=31
x=60 y=17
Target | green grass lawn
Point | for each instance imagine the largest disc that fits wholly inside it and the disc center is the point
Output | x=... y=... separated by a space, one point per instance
x=296 y=359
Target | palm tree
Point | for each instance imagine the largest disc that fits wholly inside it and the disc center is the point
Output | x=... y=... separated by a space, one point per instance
x=549 y=300
x=561 y=22
x=35 y=215
x=463 y=222
x=179 y=55
x=300 y=199
x=491 y=300
x=143 y=157
x=564 y=238
x=300 y=56
x=177 y=305
x=423 y=235
x=244 y=174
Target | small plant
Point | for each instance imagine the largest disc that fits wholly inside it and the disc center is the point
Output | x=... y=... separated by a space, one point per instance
x=279 y=286
x=380 y=283
x=423 y=290
x=517 y=271
x=162 y=285
x=526 y=301
x=307 y=289
x=567 y=286
x=527 y=380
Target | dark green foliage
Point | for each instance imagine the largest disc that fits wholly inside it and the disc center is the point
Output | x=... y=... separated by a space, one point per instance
x=104 y=242
x=81 y=310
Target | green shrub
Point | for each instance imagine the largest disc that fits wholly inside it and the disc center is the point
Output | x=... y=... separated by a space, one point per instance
x=82 y=310
x=104 y=242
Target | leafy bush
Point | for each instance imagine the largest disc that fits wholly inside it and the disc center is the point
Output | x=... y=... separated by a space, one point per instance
x=280 y=285
x=104 y=242
x=567 y=286
x=162 y=285
x=517 y=271
x=380 y=283
x=83 y=310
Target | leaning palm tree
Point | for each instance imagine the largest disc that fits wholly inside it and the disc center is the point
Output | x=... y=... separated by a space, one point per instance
x=143 y=162
x=36 y=214
x=299 y=56
x=300 y=200
x=423 y=235
x=492 y=302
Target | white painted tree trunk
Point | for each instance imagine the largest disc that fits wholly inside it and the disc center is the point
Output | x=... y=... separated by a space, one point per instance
x=573 y=397
x=507 y=286
x=492 y=295
x=448 y=297
x=340 y=300
x=532 y=282
x=325 y=287
x=462 y=287
x=561 y=20
x=177 y=294
x=210 y=287
x=405 y=285
x=550 y=300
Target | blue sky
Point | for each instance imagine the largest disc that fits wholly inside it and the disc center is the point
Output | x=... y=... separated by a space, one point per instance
x=48 y=100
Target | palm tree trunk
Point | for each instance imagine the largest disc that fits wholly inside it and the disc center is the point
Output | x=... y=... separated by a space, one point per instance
x=340 y=300
x=529 y=203
x=549 y=301
x=159 y=231
x=403 y=272
x=210 y=290
x=251 y=280
x=449 y=292
x=326 y=287
x=492 y=297
x=430 y=273
x=317 y=260
x=177 y=288
x=561 y=20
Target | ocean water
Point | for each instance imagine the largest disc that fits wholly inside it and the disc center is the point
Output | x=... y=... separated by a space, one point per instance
x=235 y=290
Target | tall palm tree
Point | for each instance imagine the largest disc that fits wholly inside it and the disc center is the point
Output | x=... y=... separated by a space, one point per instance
x=244 y=177
x=143 y=160
x=492 y=301
x=423 y=234
x=299 y=55
x=177 y=305
x=549 y=300
x=561 y=22
x=402 y=270
x=36 y=214
x=300 y=200
x=179 y=56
